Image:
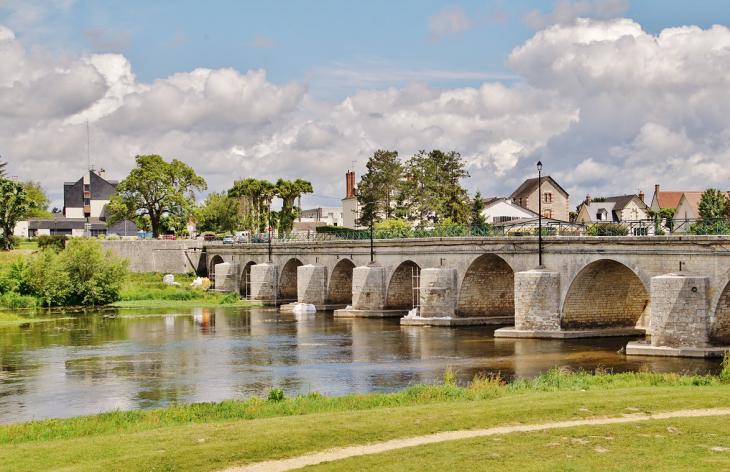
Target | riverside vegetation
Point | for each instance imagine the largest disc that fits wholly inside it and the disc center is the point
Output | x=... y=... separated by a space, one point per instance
x=209 y=436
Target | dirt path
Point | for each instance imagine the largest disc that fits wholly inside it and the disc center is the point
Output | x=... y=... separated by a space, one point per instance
x=343 y=453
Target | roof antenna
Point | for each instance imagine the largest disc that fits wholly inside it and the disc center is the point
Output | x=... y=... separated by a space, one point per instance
x=88 y=153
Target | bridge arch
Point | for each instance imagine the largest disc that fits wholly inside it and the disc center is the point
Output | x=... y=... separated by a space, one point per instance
x=400 y=288
x=340 y=283
x=245 y=273
x=214 y=261
x=720 y=314
x=288 y=279
x=604 y=294
x=488 y=288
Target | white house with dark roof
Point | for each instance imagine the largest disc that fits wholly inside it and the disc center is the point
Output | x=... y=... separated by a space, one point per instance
x=612 y=210
x=501 y=209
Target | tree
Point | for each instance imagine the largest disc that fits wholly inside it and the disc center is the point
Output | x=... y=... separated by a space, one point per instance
x=219 y=213
x=711 y=204
x=155 y=188
x=14 y=205
x=255 y=199
x=36 y=194
x=289 y=191
x=379 y=187
x=477 y=206
x=3 y=171
x=432 y=191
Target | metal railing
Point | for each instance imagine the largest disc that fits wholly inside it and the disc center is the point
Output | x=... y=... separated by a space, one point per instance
x=648 y=227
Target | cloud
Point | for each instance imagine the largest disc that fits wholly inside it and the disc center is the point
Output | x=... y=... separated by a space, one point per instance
x=263 y=42
x=565 y=11
x=107 y=40
x=451 y=21
x=607 y=107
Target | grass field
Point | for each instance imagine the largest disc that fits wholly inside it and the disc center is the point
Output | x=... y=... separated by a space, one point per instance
x=215 y=436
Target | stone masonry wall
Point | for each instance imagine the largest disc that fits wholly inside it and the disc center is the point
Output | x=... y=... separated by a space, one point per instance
x=340 y=286
x=263 y=281
x=368 y=288
x=166 y=256
x=606 y=294
x=438 y=292
x=288 y=280
x=720 y=334
x=400 y=289
x=679 y=314
x=487 y=289
x=537 y=300
x=311 y=284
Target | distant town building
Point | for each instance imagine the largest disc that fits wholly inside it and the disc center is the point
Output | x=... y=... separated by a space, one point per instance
x=613 y=209
x=501 y=209
x=555 y=200
x=688 y=207
x=350 y=206
x=662 y=200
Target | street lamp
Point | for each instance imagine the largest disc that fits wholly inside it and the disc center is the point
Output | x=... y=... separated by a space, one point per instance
x=372 y=211
x=539 y=215
x=269 y=223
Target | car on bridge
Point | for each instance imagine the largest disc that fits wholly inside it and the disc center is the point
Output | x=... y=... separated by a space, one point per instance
x=261 y=238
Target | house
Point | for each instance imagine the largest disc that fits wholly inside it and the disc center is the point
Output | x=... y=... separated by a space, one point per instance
x=501 y=209
x=688 y=207
x=350 y=207
x=555 y=200
x=326 y=215
x=662 y=200
x=613 y=209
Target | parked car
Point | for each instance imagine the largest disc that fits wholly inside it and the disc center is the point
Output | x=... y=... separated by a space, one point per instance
x=209 y=236
x=228 y=240
x=261 y=238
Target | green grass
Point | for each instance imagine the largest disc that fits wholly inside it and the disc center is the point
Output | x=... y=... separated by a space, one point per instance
x=146 y=290
x=218 y=441
x=10 y=319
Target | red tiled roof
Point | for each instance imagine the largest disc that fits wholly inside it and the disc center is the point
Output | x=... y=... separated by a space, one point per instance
x=669 y=199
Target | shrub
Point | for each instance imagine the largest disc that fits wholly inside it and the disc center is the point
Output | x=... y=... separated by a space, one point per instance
x=14 y=241
x=276 y=395
x=16 y=301
x=710 y=227
x=56 y=243
x=607 y=229
x=113 y=237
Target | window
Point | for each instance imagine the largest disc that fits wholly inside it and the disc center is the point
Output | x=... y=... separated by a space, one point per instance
x=547 y=197
x=547 y=213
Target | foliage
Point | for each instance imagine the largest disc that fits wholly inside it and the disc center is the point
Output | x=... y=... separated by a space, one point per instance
x=36 y=194
x=432 y=192
x=219 y=212
x=333 y=229
x=598 y=199
x=56 y=242
x=664 y=213
x=14 y=205
x=155 y=188
x=276 y=395
x=711 y=204
x=572 y=216
x=113 y=237
x=255 y=198
x=708 y=226
x=379 y=187
x=607 y=229
x=392 y=224
x=3 y=171
x=477 y=207
x=289 y=191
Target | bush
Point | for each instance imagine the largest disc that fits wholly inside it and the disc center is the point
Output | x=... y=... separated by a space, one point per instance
x=276 y=395
x=16 y=301
x=56 y=243
x=710 y=227
x=607 y=229
x=113 y=237
x=14 y=241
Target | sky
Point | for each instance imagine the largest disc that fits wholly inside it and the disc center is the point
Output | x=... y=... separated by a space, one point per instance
x=613 y=96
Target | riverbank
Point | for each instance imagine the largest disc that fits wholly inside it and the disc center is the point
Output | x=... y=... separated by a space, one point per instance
x=210 y=436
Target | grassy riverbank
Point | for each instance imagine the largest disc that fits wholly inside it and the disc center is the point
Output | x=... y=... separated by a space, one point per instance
x=146 y=290
x=212 y=436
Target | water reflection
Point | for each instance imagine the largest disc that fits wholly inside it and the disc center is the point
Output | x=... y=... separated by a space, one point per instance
x=150 y=358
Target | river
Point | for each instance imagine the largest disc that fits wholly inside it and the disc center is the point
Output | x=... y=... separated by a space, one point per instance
x=140 y=359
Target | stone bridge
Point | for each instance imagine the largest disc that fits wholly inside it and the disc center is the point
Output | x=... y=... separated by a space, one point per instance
x=675 y=287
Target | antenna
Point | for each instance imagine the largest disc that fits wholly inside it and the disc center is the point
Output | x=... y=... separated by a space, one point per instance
x=353 y=165
x=88 y=153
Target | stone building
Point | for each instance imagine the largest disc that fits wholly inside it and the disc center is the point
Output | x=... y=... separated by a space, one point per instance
x=555 y=200
x=613 y=209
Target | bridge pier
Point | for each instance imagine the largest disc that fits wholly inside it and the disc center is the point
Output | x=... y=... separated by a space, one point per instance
x=264 y=279
x=227 y=277
x=680 y=318
x=368 y=294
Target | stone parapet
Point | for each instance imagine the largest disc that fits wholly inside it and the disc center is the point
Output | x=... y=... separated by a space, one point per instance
x=263 y=282
x=227 y=277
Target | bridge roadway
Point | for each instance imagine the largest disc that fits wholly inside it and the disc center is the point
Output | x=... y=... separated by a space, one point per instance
x=677 y=288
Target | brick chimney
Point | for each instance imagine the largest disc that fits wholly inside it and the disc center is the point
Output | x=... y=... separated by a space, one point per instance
x=588 y=199
x=641 y=195
x=350 y=184
x=656 y=189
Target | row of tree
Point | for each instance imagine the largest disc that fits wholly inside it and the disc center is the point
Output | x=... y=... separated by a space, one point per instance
x=425 y=189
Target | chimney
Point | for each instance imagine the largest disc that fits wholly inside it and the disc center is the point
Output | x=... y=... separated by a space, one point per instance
x=347 y=184
x=102 y=173
x=588 y=199
x=350 y=183
x=641 y=195
x=656 y=189
x=15 y=179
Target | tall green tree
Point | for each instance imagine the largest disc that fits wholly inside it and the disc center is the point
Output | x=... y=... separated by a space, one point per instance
x=37 y=195
x=712 y=203
x=432 y=190
x=255 y=198
x=289 y=191
x=379 y=187
x=156 y=188
x=3 y=171
x=219 y=213
x=14 y=206
x=477 y=206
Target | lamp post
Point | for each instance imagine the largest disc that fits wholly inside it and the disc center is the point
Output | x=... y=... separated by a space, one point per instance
x=269 y=223
x=372 y=211
x=539 y=215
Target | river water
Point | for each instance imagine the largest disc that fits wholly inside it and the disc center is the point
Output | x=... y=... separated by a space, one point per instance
x=93 y=363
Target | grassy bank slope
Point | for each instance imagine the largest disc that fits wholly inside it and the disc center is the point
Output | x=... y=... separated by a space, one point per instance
x=213 y=436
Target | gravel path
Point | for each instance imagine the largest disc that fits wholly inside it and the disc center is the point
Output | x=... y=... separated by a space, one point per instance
x=343 y=453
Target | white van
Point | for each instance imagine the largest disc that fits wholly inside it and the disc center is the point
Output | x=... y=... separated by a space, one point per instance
x=242 y=236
